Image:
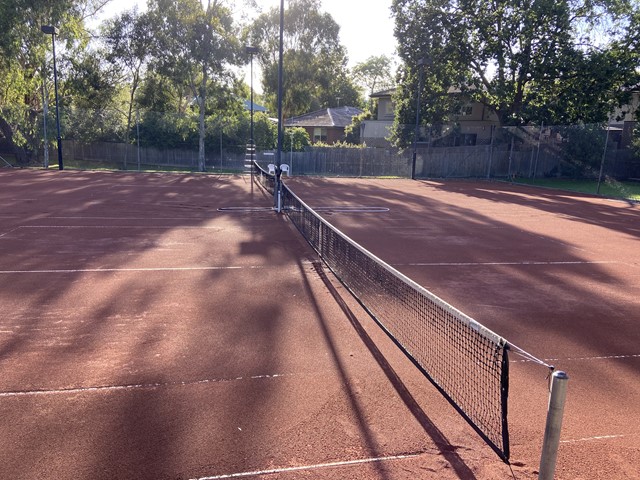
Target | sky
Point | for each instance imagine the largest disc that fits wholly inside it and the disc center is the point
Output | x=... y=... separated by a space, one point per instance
x=366 y=27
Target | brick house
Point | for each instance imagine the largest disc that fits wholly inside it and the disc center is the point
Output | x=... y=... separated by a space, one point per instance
x=326 y=125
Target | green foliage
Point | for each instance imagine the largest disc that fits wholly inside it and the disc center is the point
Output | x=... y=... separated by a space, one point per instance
x=352 y=131
x=168 y=131
x=583 y=149
x=89 y=84
x=129 y=40
x=192 y=45
x=158 y=93
x=171 y=67
x=296 y=138
x=25 y=61
x=265 y=131
x=374 y=74
x=339 y=145
x=96 y=125
x=530 y=61
x=635 y=143
x=181 y=131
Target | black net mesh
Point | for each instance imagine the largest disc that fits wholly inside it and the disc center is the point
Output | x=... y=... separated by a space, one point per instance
x=464 y=360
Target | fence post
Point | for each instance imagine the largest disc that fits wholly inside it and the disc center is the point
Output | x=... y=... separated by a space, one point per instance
x=535 y=168
x=511 y=156
x=490 y=152
x=557 y=397
x=604 y=157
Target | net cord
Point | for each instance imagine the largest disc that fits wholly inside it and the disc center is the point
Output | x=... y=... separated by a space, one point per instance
x=470 y=322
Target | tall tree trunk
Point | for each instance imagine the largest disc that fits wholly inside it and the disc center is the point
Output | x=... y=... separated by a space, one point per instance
x=7 y=131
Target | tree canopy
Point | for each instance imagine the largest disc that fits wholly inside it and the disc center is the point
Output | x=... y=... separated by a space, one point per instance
x=24 y=50
x=552 y=61
x=315 y=63
x=374 y=73
x=174 y=70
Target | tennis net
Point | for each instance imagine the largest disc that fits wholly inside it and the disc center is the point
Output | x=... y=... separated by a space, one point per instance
x=465 y=361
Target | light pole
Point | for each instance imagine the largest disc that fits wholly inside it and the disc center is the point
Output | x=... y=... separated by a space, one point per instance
x=53 y=31
x=45 y=112
x=420 y=64
x=280 y=93
x=251 y=51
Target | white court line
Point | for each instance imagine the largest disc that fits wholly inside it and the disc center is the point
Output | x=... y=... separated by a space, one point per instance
x=150 y=269
x=134 y=386
x=164 y=227
x=345 y=463
x=569 y=359
x=472 y=264
x=127 y=218
x=601 y=437
x=10 y=231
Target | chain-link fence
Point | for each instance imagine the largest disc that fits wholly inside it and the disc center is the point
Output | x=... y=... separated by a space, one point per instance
x=153 y=140
x=122 y=140
x=483 y=152
x=578 y=151
x=121 y=156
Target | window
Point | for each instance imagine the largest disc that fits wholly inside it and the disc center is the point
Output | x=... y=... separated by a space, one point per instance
x=319 y=134
x=465 y=139
x=385 y=109
x=466 y=110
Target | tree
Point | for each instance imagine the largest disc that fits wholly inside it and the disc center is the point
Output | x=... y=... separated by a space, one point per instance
x=295 y=139
x=90 y=98
x=315 y=71
x=374 y=74
x=129 y=39
x=352 y=132
x=24 y=52
x=525 y=61
x=193 y=45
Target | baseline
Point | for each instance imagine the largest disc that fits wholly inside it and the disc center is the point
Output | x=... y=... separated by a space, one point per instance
x=141 y=269
x=317 y=466
x=136 y=386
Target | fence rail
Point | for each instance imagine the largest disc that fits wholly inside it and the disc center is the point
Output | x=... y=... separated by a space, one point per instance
x=481 y=161
x=131 y=157
x=507 y=152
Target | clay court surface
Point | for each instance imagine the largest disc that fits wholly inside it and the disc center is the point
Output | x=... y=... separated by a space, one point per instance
x=167 y=326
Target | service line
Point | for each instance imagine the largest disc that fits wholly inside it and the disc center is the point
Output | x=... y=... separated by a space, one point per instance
x=480 y=264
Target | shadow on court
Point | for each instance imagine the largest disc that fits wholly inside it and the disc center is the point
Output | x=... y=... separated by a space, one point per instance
x=147 y=334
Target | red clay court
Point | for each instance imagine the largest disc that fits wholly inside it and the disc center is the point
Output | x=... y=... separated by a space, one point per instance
x=169 y=326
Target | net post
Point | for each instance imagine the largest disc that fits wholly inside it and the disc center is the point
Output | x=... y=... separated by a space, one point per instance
x=278 y=190
x=557 y=397
x=504 y=400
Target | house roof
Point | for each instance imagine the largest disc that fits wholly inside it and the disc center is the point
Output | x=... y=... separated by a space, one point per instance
x=327 y=117
x=256 y=107
x=390 y=91
x=383 y=93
